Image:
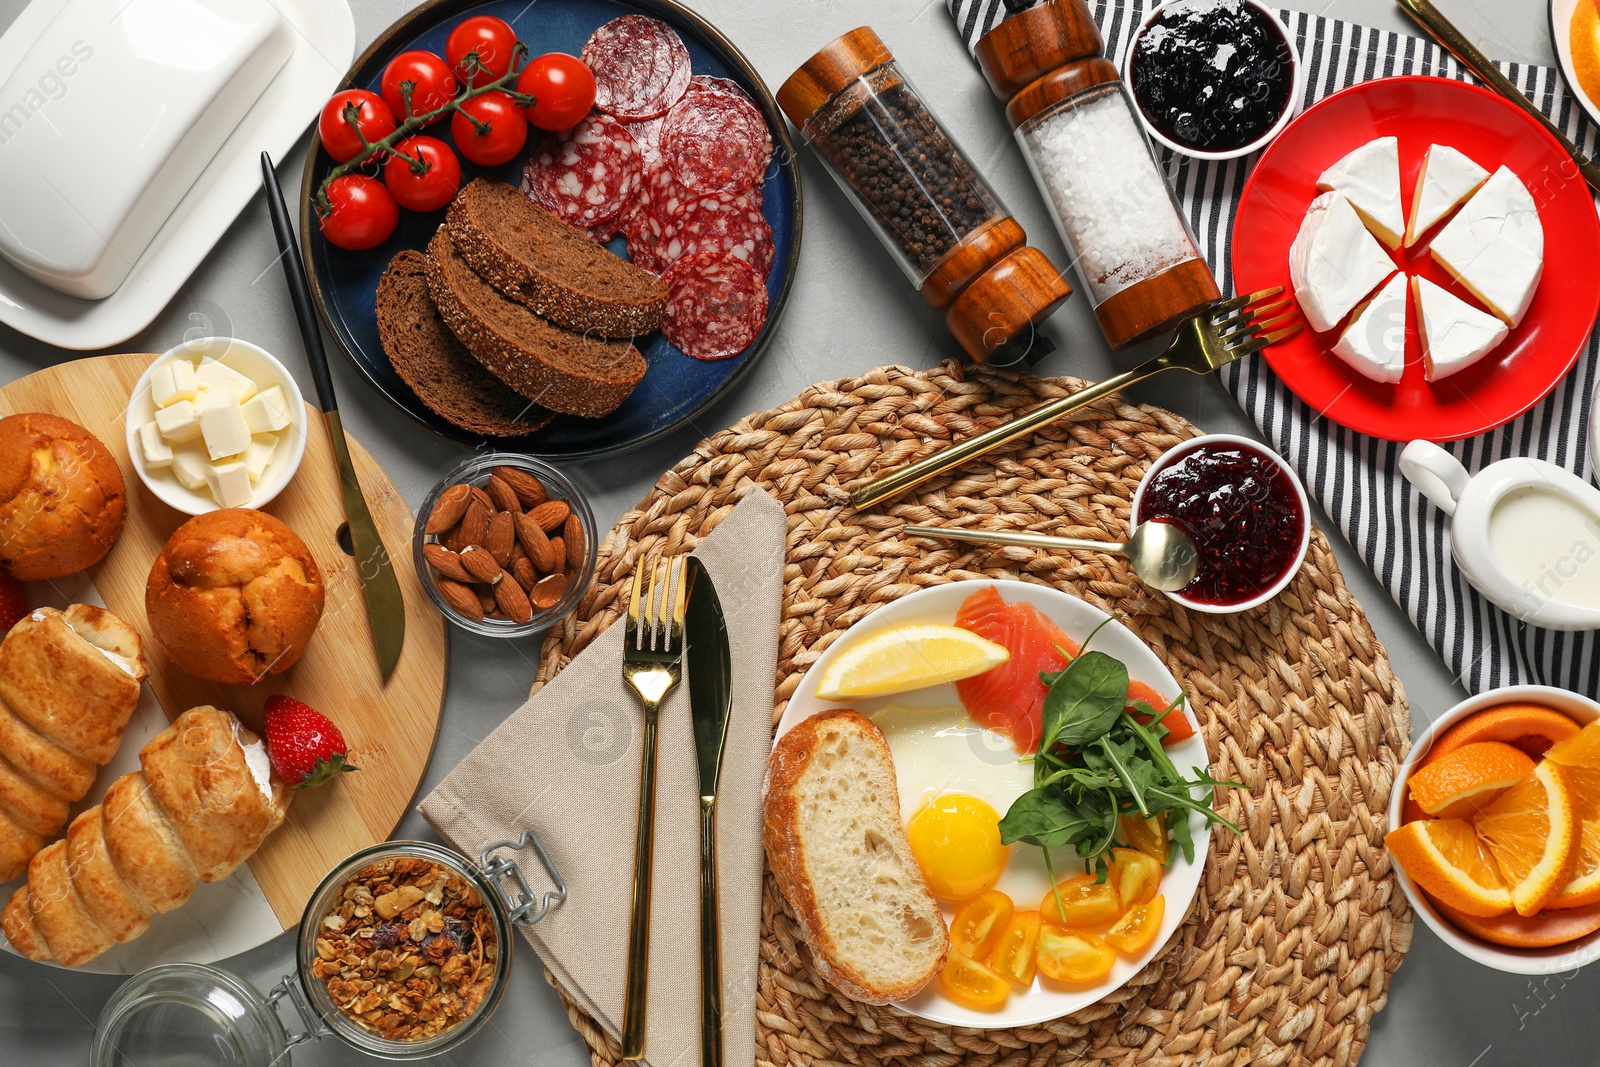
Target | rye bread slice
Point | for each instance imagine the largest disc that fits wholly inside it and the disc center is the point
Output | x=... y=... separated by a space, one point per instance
x=538 y=260
x=561 y=370
x=436 y=366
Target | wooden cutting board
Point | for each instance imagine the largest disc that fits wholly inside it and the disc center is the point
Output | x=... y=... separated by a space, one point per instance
x=390 y=728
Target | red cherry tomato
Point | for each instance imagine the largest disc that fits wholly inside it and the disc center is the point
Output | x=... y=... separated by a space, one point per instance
x=562 y=87
x=491 y=38
x=422 y=174
x=433 y=85
x=372 y=115
x=504 y=138
x=363 y=213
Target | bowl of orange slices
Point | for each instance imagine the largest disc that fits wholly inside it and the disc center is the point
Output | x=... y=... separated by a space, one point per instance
x=1496 y=839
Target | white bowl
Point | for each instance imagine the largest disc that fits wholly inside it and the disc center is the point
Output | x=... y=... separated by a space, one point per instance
x=261 y=367
x=1557 y=959
x=1297 y=85
x=1191 y=445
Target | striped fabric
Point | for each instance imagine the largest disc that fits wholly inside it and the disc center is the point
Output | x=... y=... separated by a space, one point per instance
x=1402 y=538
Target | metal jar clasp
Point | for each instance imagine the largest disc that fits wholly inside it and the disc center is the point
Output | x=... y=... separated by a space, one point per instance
x=526 y=908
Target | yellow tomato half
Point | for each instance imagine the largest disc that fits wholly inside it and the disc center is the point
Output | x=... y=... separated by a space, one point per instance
x=1133 y=932
x=978 y=923
x=1074 y=955
x=1016 y=951
x=969 y=982
x=1136 y=875
x=1083 y=902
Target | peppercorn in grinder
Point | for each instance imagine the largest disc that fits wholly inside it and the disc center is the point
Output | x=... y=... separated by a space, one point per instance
x=924 y=199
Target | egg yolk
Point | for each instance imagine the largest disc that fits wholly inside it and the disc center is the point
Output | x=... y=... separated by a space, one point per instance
x=956 y=841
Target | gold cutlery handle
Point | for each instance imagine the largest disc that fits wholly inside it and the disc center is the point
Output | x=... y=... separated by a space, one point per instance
x=1017 y=537
x=897 y=482
x=710 y=940
x=633 y=996
x=1445 y=32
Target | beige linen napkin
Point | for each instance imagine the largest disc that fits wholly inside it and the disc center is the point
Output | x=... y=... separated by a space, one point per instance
x=566 y=764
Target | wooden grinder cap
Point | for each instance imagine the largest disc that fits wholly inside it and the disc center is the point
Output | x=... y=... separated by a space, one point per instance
x=1032 y=43
x=1020 y=290
x=834 y=67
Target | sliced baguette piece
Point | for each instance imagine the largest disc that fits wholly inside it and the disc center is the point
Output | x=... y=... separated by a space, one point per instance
x=434 y=364
x=558 y=369
x=538 y=260
x=841 y=858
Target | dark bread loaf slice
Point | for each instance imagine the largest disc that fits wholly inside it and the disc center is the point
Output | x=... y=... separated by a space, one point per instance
x=538 y=260
x=561 y=370
x=436 y=366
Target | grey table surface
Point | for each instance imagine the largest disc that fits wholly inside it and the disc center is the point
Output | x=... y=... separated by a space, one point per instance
x=849 y=311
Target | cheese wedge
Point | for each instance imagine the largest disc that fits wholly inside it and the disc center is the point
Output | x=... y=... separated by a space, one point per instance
x=1374 y=344
x=1455 y=335
x=1495 y=246
x=1448 y=177
x=1334 y=262
x=1369 y=178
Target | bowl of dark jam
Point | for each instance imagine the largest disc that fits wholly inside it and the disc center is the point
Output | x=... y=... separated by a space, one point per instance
x=1215 y=79
x=1246 y=511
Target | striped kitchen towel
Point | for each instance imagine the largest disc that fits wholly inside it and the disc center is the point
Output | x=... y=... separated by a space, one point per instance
x=1402 y=537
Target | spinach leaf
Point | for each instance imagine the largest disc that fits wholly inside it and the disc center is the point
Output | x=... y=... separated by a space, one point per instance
x=1085 y=701
x=1046 y=817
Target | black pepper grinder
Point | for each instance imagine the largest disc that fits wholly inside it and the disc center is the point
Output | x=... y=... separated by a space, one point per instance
x=926 y=202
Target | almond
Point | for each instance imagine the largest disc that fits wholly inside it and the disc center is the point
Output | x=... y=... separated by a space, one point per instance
x=485 y=597
x=549 y=591
x=451 y=538
x=448 y=509
x=480 y=563
x=501 y=536
x=551 y=514
x=572 y=534
x=529 y=489
x=482 y=496
x=462 y=600
x=535 y=543
x=517 y=551
x=474 y=525
x=513 y=601
x=446 y=562
x=524 y=573
x=504 y=497
x=558 y=548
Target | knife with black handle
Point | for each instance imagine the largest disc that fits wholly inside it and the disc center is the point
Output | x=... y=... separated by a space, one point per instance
x=710 y=667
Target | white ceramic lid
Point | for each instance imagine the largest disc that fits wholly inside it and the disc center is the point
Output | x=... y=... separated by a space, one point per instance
x=111 y=115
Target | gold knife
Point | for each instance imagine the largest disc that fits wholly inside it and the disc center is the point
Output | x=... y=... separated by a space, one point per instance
x=386 y=610
x=1444 y=31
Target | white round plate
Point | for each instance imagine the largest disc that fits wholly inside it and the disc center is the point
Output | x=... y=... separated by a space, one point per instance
x=1024 y=879
x=1561 y=39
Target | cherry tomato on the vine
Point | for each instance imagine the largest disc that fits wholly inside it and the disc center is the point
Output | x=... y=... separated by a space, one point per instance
x=372 y=116
x=433 y=85
x=491 y=38
x=422 y=174
x=562 y=87
x=363 y=213
x=506 y=133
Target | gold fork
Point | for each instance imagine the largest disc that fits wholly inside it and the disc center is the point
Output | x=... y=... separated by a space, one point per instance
x=652 y=660
x=1206 y=342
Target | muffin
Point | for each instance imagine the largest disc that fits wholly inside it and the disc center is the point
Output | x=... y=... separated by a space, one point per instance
x=62 y=499
x=234 y=596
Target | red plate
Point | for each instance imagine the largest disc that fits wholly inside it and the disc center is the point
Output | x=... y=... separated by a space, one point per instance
x=1421 y=111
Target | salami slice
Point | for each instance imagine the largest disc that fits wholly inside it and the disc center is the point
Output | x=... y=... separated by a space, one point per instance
x=641 y=67
x=715 y=140
x=648 y=133
x=716 y=305
x=721 y=222
x=589 y=176
x=643 y=234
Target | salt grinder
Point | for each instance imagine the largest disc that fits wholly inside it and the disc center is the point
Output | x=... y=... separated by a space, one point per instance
x=923 y=198
x=1113 y=207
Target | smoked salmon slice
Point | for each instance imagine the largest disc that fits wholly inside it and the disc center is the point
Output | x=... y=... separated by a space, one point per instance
x=1010 y=698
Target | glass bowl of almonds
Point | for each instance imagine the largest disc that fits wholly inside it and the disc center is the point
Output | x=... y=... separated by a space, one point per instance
x=505 y=545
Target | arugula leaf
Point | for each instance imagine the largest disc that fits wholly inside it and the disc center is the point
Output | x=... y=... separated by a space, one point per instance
x=1086 y=699
x=1046 y=817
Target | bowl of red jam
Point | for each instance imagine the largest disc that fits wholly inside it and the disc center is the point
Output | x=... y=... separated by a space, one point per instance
x=1246 y=511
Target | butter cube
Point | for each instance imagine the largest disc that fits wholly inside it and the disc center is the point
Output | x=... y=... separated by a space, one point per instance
x=230 y=484
x=259 y=454
x=222 y=425
x=267 y=412
x=173 y=381
x=157 y=452
x=178 y=422
x=215 y=377
x=189 y=466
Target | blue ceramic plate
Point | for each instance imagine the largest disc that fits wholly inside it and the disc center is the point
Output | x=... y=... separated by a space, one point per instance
x=676 y=387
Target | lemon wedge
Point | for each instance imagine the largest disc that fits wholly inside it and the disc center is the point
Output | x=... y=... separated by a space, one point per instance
x=907 y=658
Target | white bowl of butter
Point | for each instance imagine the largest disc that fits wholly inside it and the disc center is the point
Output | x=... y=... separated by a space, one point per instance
x=216 y=423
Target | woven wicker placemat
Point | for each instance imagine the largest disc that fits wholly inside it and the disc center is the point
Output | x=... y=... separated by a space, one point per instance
x=1297 y=926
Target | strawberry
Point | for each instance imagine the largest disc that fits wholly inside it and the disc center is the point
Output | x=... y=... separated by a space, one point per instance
x=306 y=749
x=13 y=601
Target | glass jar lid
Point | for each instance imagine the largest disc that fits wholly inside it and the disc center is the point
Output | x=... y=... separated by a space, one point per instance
x=184 y=1014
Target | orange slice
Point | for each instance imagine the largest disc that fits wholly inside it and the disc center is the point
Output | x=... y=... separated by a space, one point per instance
x=1530 y=727
x=1445 y=857
x=1532 y=833
x=1545 y=930
x=1585 y=43
x=1460 y=784
x=1579 y=756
